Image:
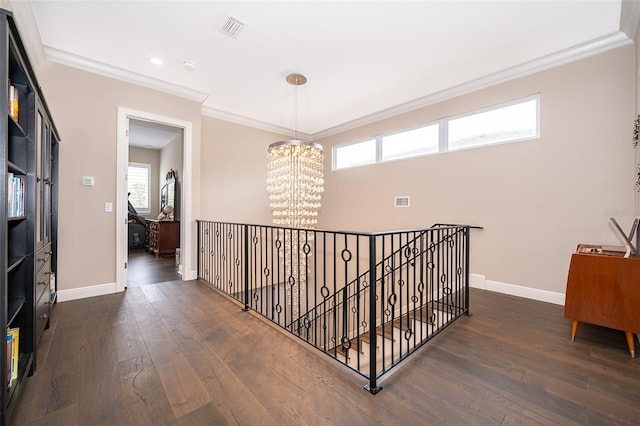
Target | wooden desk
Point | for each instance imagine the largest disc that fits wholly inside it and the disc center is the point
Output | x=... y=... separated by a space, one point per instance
x=604 y=289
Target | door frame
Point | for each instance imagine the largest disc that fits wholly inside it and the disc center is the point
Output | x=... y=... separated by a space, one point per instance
x=122 y=152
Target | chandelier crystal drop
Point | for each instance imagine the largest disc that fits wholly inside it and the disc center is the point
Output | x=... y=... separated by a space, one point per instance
x=295 y=182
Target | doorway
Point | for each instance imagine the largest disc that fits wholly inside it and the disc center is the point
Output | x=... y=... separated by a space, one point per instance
x=154 y=178
x=145 y=131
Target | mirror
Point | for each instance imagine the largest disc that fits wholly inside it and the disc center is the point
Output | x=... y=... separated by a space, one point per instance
x=168 y=197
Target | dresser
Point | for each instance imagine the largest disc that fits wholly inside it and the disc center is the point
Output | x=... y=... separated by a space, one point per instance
x=162 y=237
x=603 y=288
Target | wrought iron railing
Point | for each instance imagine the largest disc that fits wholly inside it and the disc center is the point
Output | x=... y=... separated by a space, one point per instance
x=317 y=285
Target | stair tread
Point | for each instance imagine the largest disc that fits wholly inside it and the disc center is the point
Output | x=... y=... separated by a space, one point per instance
x=355 y=344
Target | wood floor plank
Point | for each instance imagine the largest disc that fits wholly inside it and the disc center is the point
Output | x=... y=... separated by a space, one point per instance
x=231 y=394
x=63 y=417
x=153 y=293
x=128 y=341
x=145 y=402
x=182 y=386
x=207 y=415
x=100 y=401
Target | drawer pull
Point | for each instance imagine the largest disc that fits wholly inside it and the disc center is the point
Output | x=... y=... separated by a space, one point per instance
x=44 y=316
x=42 y=282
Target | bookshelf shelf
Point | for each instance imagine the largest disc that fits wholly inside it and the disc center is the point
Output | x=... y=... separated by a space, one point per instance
x=28 y=194
x=15 y=169
x=14 y=262
x=13 y=310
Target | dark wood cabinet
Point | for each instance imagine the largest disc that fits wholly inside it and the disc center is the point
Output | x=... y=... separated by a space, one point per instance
x=28 y=214
x=163 y=237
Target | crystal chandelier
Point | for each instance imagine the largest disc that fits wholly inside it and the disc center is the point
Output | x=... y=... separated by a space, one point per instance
x=295 y=183
x=295 y=177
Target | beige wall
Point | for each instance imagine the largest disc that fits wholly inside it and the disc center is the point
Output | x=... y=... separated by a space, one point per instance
x=637 y=111
x=84 y=107
x=151 y=157
x=234 y=172
x=536 y=199
x=171 y=158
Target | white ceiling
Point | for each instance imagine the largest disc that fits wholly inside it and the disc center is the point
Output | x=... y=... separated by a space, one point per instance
x=363 y=60
x=151 y=135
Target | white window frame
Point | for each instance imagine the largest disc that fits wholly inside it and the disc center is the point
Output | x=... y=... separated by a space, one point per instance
x=535 y=97
x=410 y=129
x=334 y=157
x=142 y=210
x=443 y=128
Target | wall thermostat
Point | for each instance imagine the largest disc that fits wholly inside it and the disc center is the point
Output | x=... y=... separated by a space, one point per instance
x=88 y=180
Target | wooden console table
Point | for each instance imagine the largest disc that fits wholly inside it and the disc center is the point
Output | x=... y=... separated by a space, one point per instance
x=603 y=288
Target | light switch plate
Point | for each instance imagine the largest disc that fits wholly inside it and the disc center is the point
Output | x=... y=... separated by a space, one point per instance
x=108 y=207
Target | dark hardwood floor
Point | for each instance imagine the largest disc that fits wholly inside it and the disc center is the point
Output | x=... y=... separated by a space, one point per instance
x=144 y=268
x=178 y=353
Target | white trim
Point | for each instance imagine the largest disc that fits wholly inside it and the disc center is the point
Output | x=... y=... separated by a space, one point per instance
x=84 y=292
x=187 y=224
x=582 y=51
x=238 y=119
x=480 y=282
x=79 y=62
x=31 y=39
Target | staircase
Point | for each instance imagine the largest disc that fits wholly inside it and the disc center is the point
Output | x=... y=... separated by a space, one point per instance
x=400 y=336
x=344 y=293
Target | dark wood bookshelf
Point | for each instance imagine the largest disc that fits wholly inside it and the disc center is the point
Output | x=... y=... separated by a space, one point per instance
x=29 y=246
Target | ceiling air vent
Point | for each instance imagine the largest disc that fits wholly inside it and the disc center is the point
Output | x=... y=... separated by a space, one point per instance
x=232 y=27
x=401 y=201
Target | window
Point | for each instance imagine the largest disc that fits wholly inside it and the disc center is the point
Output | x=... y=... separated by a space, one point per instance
x=501 y=124
x=139 y=187
x=355 y=154
x=509 y=122
x=411 y=143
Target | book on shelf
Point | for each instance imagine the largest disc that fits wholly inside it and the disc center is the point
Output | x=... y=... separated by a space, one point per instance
x=52 y=286
x=15 y=195
x=9 y=353
x=14 y=98
x=13 y=354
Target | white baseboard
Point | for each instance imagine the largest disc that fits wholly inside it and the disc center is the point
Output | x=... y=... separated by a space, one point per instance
x=480 y=281
x=189 y=275
x=84 y=292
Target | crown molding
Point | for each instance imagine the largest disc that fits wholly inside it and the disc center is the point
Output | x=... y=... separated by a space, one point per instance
x=582 y=51
x=75 y=61
x=630 y=17
x=29 y=33
x=239 y=119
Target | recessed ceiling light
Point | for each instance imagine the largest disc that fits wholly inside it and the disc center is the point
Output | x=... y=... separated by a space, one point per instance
x=156 y=61
x=189 y=66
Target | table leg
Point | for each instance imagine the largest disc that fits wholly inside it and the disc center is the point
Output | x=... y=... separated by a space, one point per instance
x=631 y=343
x=574 y=330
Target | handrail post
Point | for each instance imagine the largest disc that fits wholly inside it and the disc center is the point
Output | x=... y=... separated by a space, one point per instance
x=467 y=230
x=198 y=242
x=246 y=267
x=372 y=386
